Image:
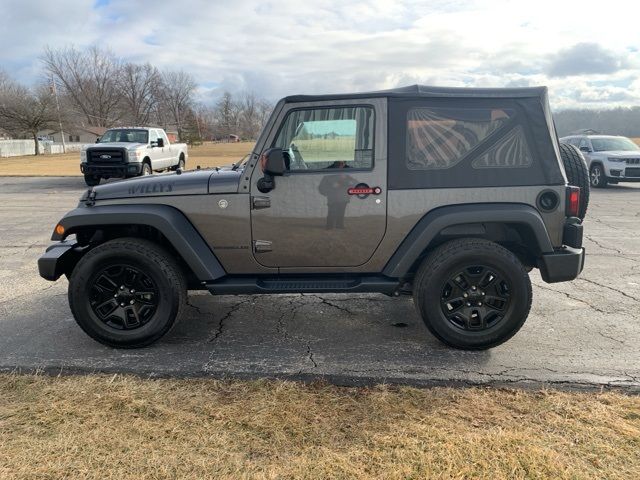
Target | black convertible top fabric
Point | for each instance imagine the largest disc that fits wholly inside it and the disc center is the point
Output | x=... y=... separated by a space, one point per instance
x=419 y=91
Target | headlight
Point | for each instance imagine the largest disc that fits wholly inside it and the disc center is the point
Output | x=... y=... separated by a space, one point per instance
x=616 y=160
x=134 y=155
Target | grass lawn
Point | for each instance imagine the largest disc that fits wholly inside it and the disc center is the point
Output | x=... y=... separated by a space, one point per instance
x=129 y=428
x=206 y=155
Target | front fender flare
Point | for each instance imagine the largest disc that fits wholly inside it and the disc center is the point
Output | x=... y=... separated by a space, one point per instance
x=169 y=221
x=437 y=220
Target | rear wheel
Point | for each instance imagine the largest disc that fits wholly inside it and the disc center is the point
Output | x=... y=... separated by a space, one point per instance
x=91 y=180
x=180 y=165
x=597 y=176
x=472 y=294
x=577 y=174
x=127 y=293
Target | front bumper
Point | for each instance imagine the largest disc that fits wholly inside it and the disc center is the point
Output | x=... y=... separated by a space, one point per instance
x=119 y=170
x=58 y=259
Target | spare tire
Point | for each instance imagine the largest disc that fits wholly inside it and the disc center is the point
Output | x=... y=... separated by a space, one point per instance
x=577 y=174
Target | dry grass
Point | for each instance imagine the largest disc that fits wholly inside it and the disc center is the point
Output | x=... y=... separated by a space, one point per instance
x=636 y=139
x=206 y=155
x=128 y=428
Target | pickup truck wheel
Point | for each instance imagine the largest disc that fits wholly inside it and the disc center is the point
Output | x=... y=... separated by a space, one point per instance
x=127 y=293
x=146 y=169
x=92 y=180
x=472 y=294
x=577 y=174
x=180 y=164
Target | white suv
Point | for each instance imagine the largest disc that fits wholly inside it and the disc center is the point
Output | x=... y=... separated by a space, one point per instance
x=611 y=159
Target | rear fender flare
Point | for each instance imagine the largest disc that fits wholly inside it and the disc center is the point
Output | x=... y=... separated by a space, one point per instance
x=434 y=222
x=169 y=221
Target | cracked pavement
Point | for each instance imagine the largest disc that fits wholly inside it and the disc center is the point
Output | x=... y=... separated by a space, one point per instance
x=582 y=334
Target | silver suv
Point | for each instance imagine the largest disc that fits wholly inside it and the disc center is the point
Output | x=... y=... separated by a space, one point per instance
x=611 y=159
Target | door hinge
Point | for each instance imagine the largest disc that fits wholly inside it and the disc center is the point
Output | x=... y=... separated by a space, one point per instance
x=260 y=246
x=260 y=202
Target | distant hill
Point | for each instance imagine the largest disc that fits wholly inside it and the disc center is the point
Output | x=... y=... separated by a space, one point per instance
x=617 y=121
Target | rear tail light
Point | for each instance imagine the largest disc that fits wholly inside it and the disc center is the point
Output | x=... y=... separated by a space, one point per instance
x=573 y=201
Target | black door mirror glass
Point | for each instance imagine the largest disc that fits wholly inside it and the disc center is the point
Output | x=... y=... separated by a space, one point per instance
x=98 y=140
x=272 y=162
x=161 y=142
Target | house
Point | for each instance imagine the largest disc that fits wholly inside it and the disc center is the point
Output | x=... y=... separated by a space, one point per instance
x=74 y=134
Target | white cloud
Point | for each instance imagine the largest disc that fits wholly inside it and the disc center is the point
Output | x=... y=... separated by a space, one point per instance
x=283 y=47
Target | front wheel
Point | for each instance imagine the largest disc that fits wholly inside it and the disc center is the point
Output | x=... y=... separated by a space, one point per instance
x=472 y=294
x=597 y=177
x=91 y=180
x=127 y=293
x=146 y=169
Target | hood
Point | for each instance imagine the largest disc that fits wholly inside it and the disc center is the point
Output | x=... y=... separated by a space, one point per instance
x=622 y=153
x=192 y=182
x=127 y=145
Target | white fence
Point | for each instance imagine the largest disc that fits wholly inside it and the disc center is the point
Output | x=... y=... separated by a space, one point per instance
x=14 y=148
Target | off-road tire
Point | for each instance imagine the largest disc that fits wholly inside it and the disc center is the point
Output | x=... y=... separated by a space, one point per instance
x=180 y=164
x=457 y=255
x=146 y=169
x=149 y=258
x=597 y=177
x=577 y=174
x=92 y=180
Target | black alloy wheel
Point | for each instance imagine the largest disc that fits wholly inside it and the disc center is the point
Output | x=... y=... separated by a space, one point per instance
x=123 y=297
x=475 y=298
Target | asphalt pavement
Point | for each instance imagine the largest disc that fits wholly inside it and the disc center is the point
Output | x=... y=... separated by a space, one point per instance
x=583 y=334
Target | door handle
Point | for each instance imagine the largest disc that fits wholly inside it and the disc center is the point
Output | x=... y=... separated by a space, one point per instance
x=260 y=202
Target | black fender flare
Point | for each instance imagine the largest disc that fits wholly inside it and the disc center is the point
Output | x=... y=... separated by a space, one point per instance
x=169 y=221
x=439 y=219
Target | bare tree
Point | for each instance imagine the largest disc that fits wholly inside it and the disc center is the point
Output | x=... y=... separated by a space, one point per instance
x=175 y=96
x=138 y=85
x=25 y=111
x=89 y=79
x=227 y=116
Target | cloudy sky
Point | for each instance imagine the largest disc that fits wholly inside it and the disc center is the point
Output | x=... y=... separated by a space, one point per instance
x=586 y=52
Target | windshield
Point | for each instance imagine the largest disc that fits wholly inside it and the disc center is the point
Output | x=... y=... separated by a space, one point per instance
x=125 y=135
x=612 y=144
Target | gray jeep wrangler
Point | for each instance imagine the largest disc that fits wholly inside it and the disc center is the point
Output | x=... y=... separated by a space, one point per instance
x=449 y=195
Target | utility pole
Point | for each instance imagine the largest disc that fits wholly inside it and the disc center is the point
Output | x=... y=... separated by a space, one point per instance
x=55 y=93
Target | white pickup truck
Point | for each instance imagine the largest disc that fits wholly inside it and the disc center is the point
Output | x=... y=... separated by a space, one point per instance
x=129 y=152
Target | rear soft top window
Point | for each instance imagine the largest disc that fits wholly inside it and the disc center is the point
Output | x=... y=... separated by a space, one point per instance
x=471 y=142
x=441 y=137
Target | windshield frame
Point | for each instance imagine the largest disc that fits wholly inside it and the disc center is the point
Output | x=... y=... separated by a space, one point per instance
x=133 y=130
x=605 y=142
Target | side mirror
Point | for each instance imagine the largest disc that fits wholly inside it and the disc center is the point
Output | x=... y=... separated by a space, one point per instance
x=161 y=142
x=272 y=162
x=153 y=143
x=585 y=149
x=98 y=140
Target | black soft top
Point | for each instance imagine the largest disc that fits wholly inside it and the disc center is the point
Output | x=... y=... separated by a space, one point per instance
x=424 y=91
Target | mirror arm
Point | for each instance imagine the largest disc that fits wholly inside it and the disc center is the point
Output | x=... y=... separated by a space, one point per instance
x=266 y=183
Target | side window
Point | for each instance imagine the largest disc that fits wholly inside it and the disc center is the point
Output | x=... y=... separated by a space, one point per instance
x=328 y=138
x=164 y=137
x=439 y=138
x=584 y=143
x=153 y=136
